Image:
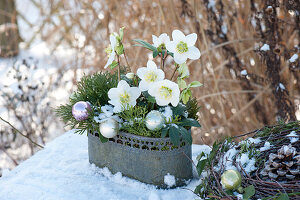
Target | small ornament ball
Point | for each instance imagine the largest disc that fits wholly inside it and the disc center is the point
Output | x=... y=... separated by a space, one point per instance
x=231 y=179
x=109 y=128
x=80 y=110
x=154 y=120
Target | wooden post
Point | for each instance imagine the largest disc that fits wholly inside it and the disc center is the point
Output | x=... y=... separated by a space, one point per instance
x=9 y=33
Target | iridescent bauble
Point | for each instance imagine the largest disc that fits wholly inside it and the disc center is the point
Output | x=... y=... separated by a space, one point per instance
x=80 y=110
x=231 y=179
x=109 y=128
x=154 y=120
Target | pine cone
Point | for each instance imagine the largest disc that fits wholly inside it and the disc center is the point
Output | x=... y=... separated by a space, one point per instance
x=284 y=165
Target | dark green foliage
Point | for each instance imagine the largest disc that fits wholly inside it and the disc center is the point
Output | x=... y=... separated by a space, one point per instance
x=192 y=108
x=94 y=88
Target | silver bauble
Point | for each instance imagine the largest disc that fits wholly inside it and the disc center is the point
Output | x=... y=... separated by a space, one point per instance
x=109 y=128
x=80 y=110
x=154 y=120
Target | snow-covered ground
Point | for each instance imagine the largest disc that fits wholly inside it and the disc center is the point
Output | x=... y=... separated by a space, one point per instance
x=61 y=171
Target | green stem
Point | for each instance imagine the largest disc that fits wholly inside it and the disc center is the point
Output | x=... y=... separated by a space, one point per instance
x=176 y=67
x=119 y=76
x=126 y=60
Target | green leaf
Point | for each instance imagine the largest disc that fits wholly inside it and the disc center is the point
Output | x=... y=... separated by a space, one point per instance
x=119 y=49
x=181 y=83
x=151 y=99
x=174 y=135
x=198 y=189
x=201 y=164
x=113 y=65
x=195 y=84
x=186 y=134
x=102 y=138
x=189 y=122
x=183 y=71
x=179 y=109
x=283 y=196
x=145 y=44
x=185 y=95
x=164 y=132
x=249 y=192
x=155 y=53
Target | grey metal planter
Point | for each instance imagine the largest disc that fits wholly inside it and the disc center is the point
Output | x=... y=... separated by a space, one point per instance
x=142 y=158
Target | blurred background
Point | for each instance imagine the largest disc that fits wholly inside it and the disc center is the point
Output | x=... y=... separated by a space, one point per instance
x=249 y=64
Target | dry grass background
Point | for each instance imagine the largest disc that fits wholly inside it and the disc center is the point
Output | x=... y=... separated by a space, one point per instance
x=229 y=36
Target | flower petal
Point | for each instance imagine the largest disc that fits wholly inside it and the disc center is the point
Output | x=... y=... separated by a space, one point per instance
x=177 y=35
x=153 y=89
x=144 y=86
x=110 y=59
x=123 y=85
x=151 y=65
x=191 y=39
x=141 y=72
x=155 y=41
x=180 y=58
x=193 y=53
x=161 y=102
x=134 y=92
x=113 y=93
x=160 y=75
x=113 y=41
x=171 y=46
x=164 y=38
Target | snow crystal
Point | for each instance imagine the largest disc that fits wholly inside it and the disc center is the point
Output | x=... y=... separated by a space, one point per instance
x=281 y=86
x=254 y=140
x=238 y=195
x=246 y=163
x=244 y=72
x=228 y=159
x=107 y=112
x=293 y=137
x=266 y=146
x=294 y=58
x=212 y=4
x=169 y=180
x=265 y=47
x=153 y=196
x=224 y=28
x=253 y=22
x=168 y=113
x=174 y=125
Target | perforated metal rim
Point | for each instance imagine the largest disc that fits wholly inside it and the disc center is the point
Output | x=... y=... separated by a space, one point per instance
x=145 y=143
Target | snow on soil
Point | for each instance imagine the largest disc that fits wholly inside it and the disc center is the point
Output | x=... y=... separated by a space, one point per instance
x=61 y=171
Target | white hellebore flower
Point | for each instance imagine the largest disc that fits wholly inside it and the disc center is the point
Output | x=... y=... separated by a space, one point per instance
x=165 y=92
x=123 y=96
x=149 y=75
x=111 y=50
x=161 y=41
x=183 y=47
